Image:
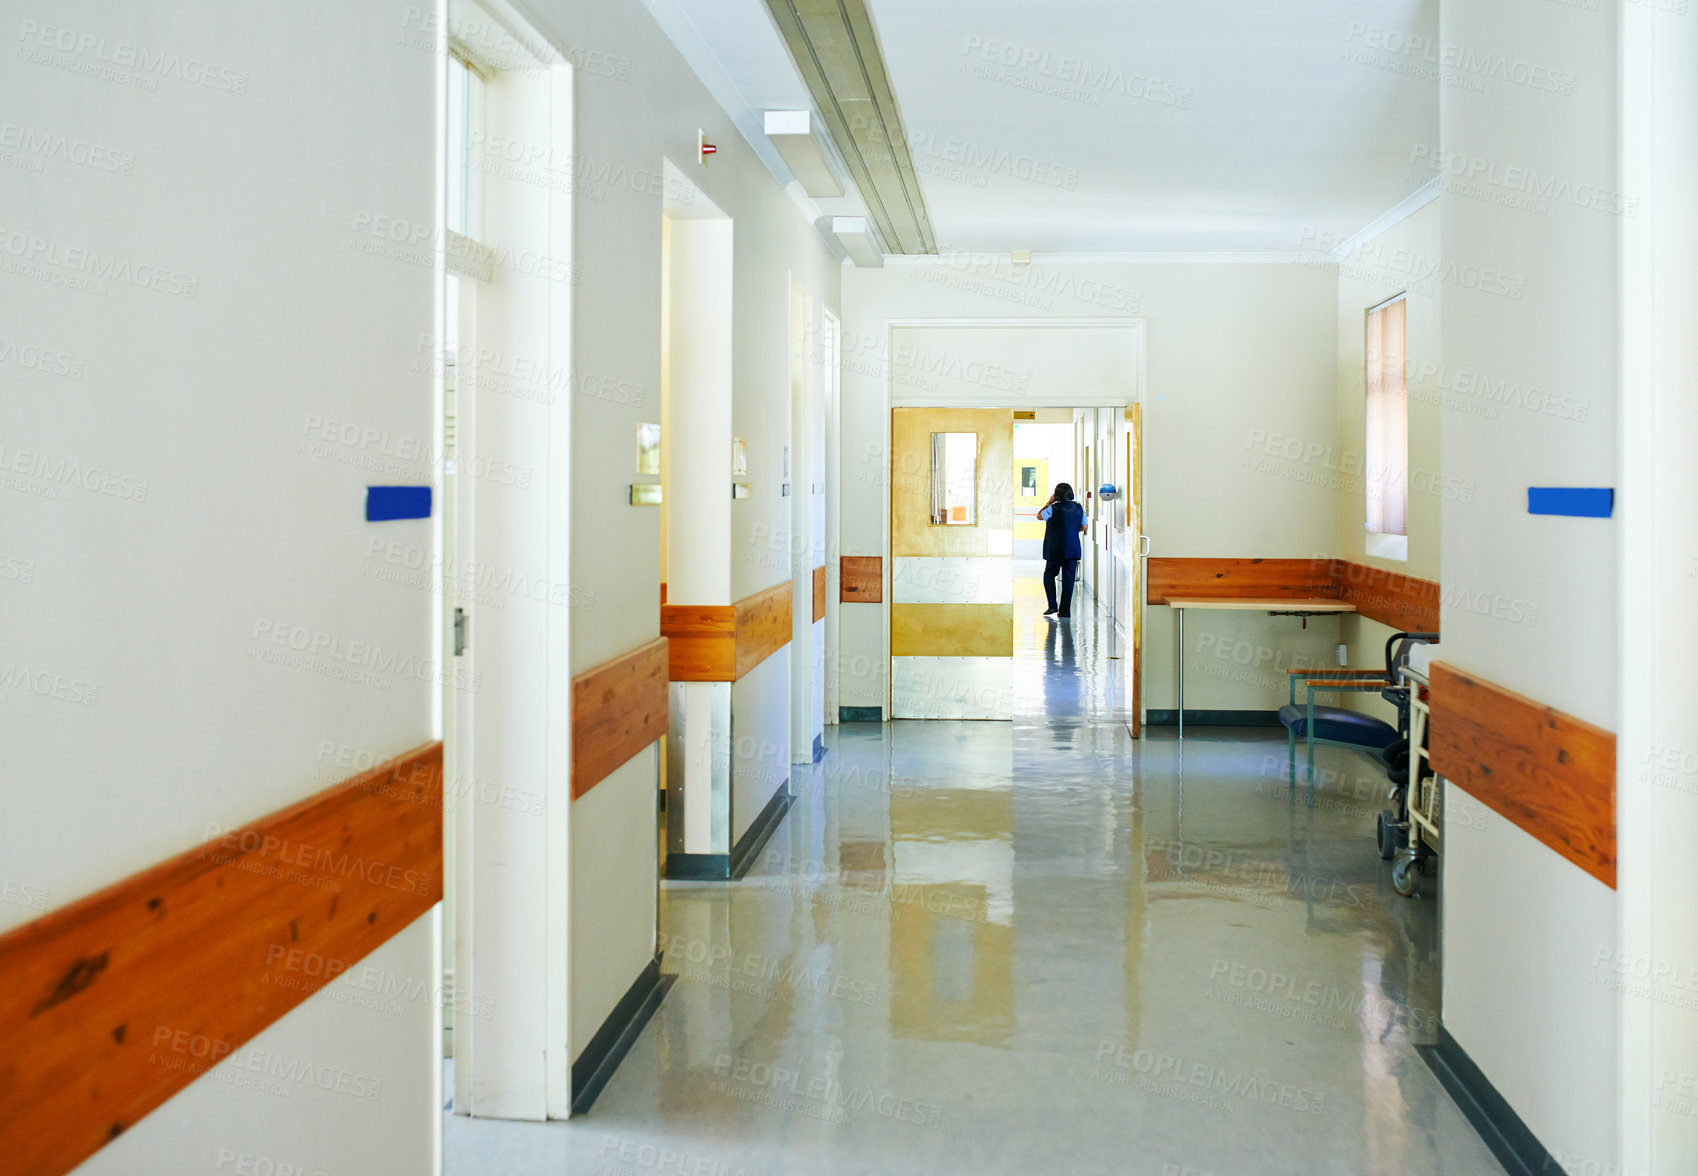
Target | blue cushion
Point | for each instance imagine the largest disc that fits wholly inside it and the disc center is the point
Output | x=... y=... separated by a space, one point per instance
x=1338 y=725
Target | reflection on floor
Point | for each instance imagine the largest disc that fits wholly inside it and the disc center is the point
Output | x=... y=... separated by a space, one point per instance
x=1036 y=947
x=1063 y=669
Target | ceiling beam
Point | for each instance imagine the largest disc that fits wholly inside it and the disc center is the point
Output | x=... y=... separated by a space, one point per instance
x=835 y=48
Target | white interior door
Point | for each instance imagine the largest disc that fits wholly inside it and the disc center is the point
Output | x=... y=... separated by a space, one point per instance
x=458 y=590
x=830 y=508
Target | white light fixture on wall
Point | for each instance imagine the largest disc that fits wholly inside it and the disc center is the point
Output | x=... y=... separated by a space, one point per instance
x=801 y=142
x=859 y=240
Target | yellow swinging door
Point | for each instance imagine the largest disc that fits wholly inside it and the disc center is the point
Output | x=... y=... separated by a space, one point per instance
x=952 y=566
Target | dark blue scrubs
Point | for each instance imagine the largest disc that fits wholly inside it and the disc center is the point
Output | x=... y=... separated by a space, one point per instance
x=1062 y=551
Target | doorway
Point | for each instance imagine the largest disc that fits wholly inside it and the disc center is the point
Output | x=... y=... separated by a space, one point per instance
x=1086 y=377
x=1086 y=669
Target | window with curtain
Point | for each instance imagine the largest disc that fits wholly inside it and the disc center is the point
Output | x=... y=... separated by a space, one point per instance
x=1386 y=468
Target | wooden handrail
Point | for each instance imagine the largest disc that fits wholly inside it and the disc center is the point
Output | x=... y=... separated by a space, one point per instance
x=117 y=1001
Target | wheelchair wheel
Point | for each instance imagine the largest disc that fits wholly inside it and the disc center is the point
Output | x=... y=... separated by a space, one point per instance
x=1406 y=875
x=1385 y=832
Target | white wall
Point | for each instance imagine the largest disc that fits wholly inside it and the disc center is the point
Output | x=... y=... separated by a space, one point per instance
x=1559 y=335
x=269 y=203
x=1522 y=925
x=988 y=366
x=607 y=950
x=1238 y=355
x=760 y=739
x=699 y=413
x=257 y=199
x=638 y=105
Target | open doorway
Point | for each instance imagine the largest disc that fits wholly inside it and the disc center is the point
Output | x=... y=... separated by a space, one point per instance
x=1071 y=391
x=1043 y=455
x=1082 y=667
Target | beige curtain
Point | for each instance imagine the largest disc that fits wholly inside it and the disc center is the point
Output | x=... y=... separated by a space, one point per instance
x=940 y=479
x=1386 y=470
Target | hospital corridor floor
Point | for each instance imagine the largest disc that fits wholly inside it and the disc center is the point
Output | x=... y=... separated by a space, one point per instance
x=1036 y=947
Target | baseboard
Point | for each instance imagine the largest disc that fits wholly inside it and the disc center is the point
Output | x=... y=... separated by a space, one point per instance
x=698 y=867
x=860 y=714
x=601 y=1057
x=1213 y=718
x=759 y=832
x=1511 y=1141
x=726 y=867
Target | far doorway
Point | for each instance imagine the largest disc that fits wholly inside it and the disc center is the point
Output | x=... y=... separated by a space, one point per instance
x=1086 y=375
x=1086 y=669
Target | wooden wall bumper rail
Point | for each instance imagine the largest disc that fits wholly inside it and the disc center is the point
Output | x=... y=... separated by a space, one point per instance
x=1222 y=579
x=723 y=642
x=618 y=708
x=117 y=1001
x=861 y=579
x=1406 y=603
x=1549 y=773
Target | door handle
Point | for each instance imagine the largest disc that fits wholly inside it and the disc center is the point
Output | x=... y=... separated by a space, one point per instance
x=462 y=634
x=1143 y=546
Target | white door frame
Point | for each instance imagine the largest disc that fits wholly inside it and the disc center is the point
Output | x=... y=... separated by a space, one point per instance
x=1140 y=326
x=799 y=541
x=512 y=902
x=831 y=333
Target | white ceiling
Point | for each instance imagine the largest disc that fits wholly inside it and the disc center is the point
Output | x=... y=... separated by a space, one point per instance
x=1284 y=129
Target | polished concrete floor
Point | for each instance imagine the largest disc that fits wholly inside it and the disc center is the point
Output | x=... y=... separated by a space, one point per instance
x=1036 y=947
x=1063 y=671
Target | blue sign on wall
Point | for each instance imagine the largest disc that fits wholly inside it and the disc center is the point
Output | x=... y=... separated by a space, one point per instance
x=384 y=503
x=1577 y=501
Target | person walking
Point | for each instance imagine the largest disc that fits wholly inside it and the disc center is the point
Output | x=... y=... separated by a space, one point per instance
x=1064 y=522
